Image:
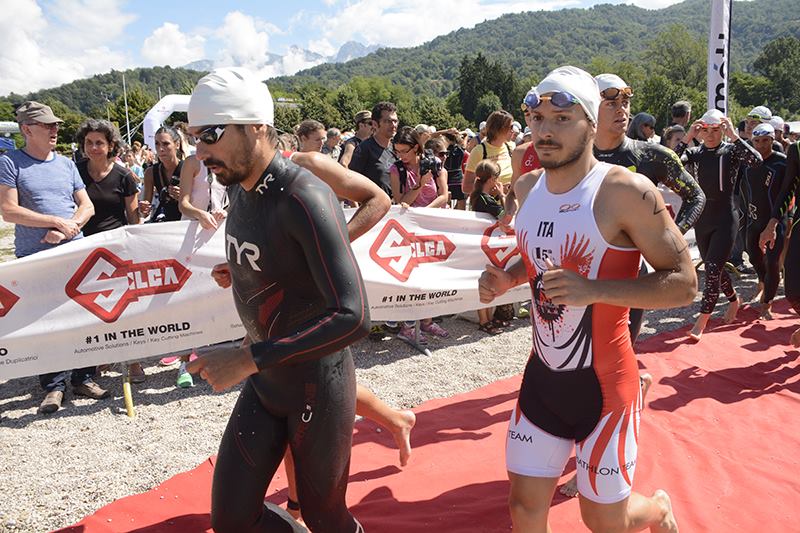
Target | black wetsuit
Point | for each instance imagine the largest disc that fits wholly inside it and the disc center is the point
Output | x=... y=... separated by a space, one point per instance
x=661 y=165
x=299 y=293
x=789 y=191
x=760 y=187
x=716 y=169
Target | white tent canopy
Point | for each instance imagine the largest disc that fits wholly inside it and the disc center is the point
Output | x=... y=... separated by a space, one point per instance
x=155 y=117
x=8 y=127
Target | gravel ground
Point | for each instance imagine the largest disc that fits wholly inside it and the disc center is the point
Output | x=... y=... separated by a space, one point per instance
x=59 y=468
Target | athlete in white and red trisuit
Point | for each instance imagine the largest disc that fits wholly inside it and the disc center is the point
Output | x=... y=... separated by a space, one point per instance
x=581 y=228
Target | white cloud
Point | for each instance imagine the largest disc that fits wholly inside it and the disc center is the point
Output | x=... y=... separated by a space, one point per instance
x=244 y=44
x=168 y=45
x=405 y=23
x=39 y=52
x=322 y=47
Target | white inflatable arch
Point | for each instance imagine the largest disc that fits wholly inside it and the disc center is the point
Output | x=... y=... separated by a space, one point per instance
x=171 y=103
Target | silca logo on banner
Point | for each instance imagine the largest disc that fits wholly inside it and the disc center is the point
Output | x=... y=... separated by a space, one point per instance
x=499 y=244
x=7 y=301
x=399 y=252
x=105 y=284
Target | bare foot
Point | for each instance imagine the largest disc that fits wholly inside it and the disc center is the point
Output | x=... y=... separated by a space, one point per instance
x=402 y=435
x=570 y=488
x=699 y=326
x=645 y=380
x=795 y=340
x=668 y=523
x=759 y=292
x=730 y=312
x=766 y=312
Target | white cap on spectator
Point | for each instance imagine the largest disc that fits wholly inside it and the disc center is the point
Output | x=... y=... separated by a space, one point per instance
x=712 y=116
x=610 y=81
x=469 y=132
x=516 y=126
x=231 y=95
x=761 y=112
x=527 y=130
x=764 y=129
x=482 y=125
x=576 y=82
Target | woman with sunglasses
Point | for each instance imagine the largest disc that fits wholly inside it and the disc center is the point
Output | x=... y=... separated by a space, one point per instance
x=415 y=186
x=716 y=165
x=163 y=177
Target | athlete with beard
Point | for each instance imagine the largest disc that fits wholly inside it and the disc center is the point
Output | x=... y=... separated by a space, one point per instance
x=581 y=227
x=301 y=312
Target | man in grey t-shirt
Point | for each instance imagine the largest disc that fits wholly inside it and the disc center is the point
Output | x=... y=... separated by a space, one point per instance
x=43 y=195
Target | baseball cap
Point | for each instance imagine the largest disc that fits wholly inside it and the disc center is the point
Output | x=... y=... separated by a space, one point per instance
x=469 y=132
x=482 y=125
x=576 y=82
x=764 y=130
x=361 y=116
x=760 y=112
x=516 y=126
x=610 y=81
x=712 y=116
x=231 y=95
x=31 y=111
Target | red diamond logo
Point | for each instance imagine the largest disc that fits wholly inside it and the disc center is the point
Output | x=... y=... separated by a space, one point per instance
x=499 y=245
x=399 y=252
x=7 y=301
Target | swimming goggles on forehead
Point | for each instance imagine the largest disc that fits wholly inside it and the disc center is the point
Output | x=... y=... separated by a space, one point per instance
x=612 y=93
x=211 y=134
x=560 y=99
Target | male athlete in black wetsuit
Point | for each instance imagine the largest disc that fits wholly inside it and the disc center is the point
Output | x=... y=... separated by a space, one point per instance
x=790 y=191
x=716 y=165
x=760 y=190
x=657 y=162
x=300 y=296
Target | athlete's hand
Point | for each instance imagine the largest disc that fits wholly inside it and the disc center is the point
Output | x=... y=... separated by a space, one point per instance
x=222 y=275
x=693 y=131
x=565 y=287
x=210 y=220
x=223 y=368
x=729 y=129
x=768 y=236
x=494 y=282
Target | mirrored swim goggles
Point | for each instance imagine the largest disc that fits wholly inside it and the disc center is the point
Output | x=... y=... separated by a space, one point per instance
x=612 y=93
x=560 y=99
x=211 y=134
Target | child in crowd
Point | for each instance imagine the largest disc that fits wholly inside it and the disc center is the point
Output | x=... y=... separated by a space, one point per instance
x=487 y=197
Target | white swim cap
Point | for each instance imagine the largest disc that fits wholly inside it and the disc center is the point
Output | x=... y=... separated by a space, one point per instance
x=761 y=112
x=712 y=116
x=610 y=81
x=764 y=129
x=576 y=82
x=230 y=95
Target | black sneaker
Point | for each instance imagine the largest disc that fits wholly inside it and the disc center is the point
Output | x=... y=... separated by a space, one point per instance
x=377 y=333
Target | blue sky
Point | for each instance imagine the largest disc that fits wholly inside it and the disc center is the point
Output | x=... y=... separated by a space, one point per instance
x=52 y=42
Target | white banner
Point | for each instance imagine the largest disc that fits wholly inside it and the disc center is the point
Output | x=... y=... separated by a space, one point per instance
x=719 y=54
x=141 y=291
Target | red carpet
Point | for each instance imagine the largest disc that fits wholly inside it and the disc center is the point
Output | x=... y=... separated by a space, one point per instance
x=719 y=434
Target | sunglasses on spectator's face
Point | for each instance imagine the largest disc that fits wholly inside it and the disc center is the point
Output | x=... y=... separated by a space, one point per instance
x=210 y=135
x=399 y=152
x=612 y=93
x=561 y=99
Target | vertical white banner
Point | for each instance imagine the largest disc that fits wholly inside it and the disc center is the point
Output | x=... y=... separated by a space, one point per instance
x=719 y=39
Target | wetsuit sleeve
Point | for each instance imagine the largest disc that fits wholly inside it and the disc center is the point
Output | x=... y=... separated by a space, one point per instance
x=745 y=155
x=791 y=182
x=315 y=221
x=675 y=177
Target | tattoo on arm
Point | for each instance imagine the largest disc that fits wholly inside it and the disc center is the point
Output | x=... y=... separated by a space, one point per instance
x=652 y=195
x=680 y=247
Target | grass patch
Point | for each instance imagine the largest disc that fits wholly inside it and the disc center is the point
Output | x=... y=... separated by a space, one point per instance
x=6 y=243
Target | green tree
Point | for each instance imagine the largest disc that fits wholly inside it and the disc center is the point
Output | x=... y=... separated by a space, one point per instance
x=139 y=103
x=287 y=117
x=315 y=105
x=779 y=62
x=347 y=103
x=487 y=104
x=750 y=89
x=679 y=56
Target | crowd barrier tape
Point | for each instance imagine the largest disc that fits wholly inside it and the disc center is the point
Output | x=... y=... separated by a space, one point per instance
x=141 y=291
